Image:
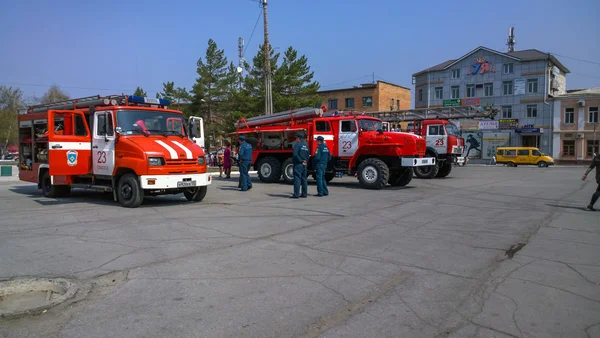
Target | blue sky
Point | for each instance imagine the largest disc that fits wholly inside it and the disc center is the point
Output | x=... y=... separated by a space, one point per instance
x=108 y=47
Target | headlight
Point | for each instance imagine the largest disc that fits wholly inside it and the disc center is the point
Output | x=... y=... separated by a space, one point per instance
x=156 y=161
x=201 y=160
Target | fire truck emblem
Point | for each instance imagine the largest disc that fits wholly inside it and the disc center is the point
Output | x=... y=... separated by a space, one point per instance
x=71 y=158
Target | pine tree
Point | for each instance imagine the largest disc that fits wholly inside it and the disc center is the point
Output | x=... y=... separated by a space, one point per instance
x=254 y=82
x=293 y=85
x=139 y=92
x=211 y=85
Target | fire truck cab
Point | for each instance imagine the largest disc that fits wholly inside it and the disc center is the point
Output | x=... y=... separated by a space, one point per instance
x=132 y=146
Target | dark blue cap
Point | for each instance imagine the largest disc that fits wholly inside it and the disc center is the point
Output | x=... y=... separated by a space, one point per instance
x=242 y=138
x=300 y=135
x=320 y=138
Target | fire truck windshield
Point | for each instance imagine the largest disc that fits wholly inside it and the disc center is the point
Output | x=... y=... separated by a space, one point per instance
x=370 y=125
x=149 y=122
x=452 y=130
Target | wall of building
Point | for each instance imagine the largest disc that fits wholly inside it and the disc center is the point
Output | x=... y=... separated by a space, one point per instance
x=519 y=102
x=571 y=140
x=382 y=93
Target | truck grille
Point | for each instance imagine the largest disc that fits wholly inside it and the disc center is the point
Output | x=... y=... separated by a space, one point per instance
x=180 y=162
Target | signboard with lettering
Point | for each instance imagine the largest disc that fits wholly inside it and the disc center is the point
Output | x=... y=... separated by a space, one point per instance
x=471 y=101
x=452 y=103
x=528 y=128
x=508 y=123
x=482 y=66
x=519 y=87
x=469 y=125
x=488 y=125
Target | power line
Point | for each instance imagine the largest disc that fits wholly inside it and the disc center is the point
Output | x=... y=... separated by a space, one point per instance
x=75 y=87
x=343 y=82
x=590 y=76
x=254 y=29
x=582 y=60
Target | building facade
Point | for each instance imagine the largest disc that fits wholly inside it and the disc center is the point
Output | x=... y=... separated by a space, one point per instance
x=379 y=96
x=521 y=84
x=576 y=132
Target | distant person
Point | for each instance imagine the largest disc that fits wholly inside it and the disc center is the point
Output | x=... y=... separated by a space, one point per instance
x=595 y=164
x=245 y=154
x=473 y=144
x=300 y=162
x=322 y=158
x=220 y=159
x=227 y=158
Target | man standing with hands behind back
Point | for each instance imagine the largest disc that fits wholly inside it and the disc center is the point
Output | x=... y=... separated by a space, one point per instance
x=300 y=161
x=322 y=157
x=595 y=164
x=245 y=154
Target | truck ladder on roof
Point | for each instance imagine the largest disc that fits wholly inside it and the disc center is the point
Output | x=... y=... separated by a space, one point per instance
x=84 y=102
x=441 y=113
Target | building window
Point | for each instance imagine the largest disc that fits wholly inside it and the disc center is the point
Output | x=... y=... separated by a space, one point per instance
x=568 y=148
x=420 y=95
x=592 y=147
x=349 y=102
x=455 y=93
x=398 y=104
x=593 y=115
x=569 y=115
x=332 y=104
x=531 y=110
x=532 y=86
x=367 y=101
x=507 y=87
x=439 y=93
x=488 y=89
x=508 y=68
x=506 y=112
x=456 y=73
x=470 y=90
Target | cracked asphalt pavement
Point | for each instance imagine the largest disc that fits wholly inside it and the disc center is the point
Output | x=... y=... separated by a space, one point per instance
x=429 y=260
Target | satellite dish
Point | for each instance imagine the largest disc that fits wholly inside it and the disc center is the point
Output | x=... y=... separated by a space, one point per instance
x=239 y=69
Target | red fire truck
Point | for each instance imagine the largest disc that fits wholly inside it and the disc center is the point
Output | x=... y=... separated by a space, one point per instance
x=357 y=144
x=130 y=145
x=444 y=142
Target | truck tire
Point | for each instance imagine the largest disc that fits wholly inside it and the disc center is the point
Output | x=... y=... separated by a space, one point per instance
x=373 y=173
x=329 y=176
x=445 y=169
x=196 y=194
x=129 y=192
x=48 y=189
x=64 y=190
x=402 y=178
x=269 y=169
x=427 y=172
x=287 y=171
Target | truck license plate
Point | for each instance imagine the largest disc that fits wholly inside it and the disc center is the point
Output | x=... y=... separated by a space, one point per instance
x=185 y=184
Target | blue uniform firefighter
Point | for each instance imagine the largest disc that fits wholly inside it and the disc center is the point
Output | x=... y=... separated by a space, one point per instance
x=322 y=157
x=245 y=158
x=300 y=162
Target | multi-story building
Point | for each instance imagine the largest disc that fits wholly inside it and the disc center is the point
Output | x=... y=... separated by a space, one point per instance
x=379 y=96
x=576 y=129
x=521 y=84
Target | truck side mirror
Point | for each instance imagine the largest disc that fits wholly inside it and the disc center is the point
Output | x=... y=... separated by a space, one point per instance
x=193 y=130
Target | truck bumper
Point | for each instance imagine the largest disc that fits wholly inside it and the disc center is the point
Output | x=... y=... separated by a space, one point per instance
x=174 y=181
x=418 y=162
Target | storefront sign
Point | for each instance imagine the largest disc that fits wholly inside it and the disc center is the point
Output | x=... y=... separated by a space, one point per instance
x=470 y=101
x=519 y=87
x=482 y=66
x=508 y=124
x=528 y=128
x=488 y=125
x=452 y=103
x=469 y=124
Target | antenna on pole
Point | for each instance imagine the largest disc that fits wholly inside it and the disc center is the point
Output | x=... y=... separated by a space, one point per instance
x=268 y=92
x=240 y=68
x=511 y=40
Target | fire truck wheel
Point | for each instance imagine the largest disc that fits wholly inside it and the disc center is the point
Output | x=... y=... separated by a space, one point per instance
x=401 y=178
x=445 y=169
x=329 y=177
x=427 y=172
x=129 y=192
x=373 y=173
x=269 y=170
x=48 y=190
x=195 y=194
x=64 y=190
x=288 y=171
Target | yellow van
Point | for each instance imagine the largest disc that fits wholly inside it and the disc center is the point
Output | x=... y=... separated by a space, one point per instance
x=514 y=156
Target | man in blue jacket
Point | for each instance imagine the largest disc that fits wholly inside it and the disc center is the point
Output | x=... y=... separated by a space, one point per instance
x=322 y=157
x=300 y=161
x=245 y=158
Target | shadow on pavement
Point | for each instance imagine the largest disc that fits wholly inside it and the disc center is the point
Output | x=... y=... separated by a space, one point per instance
x=568 y=207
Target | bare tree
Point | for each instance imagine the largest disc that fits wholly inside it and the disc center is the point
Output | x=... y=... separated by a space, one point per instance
x=11 y=100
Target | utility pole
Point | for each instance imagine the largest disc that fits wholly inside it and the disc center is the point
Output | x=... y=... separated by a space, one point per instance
x=268 y=92
x=240 y=67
